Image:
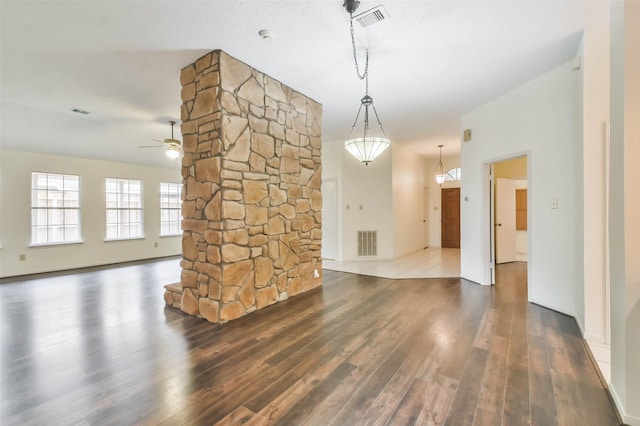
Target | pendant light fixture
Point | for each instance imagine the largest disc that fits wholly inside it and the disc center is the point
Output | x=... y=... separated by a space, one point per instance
x=440 y=175
x=367 y=147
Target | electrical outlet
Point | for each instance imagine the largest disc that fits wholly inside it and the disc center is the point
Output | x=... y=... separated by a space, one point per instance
x=155 y=244
x=22 y=257
x=316 y=274
x=554 y=203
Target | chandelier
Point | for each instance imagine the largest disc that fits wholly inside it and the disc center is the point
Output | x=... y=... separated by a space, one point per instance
x=367 y=147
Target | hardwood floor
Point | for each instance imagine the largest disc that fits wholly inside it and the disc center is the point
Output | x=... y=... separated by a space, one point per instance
x=98 y=347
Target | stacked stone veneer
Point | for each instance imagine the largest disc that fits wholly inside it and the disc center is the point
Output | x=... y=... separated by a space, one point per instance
x=251 y=196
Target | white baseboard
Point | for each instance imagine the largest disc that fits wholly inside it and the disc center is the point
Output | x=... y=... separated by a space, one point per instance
x=601 y=351
x=595 y=338
x=630 y=420
x=555 y=308
x=580 y=326
x=602 y=354
x=473 y=281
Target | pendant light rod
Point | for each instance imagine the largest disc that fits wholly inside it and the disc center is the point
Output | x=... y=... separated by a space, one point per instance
x=440 y=169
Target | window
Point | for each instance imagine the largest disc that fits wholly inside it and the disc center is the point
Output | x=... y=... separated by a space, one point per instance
x=124 y=209
x=55 y=208
x=453 y=174
x=170 y=208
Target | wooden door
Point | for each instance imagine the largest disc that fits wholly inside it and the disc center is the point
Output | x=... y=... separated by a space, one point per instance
x=451 y=217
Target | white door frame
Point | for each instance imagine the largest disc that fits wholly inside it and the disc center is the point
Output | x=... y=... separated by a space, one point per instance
x=488 y=207
x=492 y=228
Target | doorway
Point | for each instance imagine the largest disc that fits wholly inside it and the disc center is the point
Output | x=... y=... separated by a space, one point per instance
x=509 y=211
x=450 y=218
x=425 y=217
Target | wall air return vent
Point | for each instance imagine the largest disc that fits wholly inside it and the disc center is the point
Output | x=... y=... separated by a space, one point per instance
x=367 y=243
x=372 y=16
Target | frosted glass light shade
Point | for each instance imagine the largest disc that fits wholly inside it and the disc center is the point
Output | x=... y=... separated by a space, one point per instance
x=440 y=179
x=173 y=153
x=366 y=149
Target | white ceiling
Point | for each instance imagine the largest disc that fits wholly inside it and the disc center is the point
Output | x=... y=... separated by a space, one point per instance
x=430 y=62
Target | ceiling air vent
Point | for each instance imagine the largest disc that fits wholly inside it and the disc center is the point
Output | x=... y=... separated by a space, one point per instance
x=80 y=111
x=371 y=16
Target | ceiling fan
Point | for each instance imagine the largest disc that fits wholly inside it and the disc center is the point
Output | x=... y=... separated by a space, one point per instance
x=174 y=146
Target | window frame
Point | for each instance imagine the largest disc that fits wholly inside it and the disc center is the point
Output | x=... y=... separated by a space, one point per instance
x=168 y=209
x=53 y=209
x=453 y=175
x=119 y=210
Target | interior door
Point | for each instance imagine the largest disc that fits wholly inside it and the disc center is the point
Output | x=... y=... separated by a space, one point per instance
x=505 y=200
x=450 y=217
x=425 y=218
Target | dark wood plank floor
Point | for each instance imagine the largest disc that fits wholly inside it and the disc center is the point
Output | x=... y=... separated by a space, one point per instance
x=98 y=347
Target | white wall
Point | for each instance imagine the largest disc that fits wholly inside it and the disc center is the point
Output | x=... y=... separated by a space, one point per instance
x=435 y=196
x=332 y=160
x=385 y=196
x=15 y=214
x=624 y=225
x=537 y=119
x=595 y=52
x=367 y=203
x=332 y=171
x=407 y=187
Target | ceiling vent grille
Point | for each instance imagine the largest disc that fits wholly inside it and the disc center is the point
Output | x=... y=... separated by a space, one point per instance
x=372 y=16
x=367 y=243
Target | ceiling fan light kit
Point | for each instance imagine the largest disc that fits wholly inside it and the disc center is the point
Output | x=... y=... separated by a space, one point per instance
x=173 y=146
x=368 y=147
x=173 y=152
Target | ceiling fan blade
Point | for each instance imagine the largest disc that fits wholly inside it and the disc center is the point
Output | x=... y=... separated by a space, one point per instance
x=156 y=140
x=150 y=146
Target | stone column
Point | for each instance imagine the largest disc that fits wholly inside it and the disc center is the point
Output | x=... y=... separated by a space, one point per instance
x=251 y=197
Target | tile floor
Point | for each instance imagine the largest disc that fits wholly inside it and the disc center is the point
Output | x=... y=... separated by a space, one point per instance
x=432 y=262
